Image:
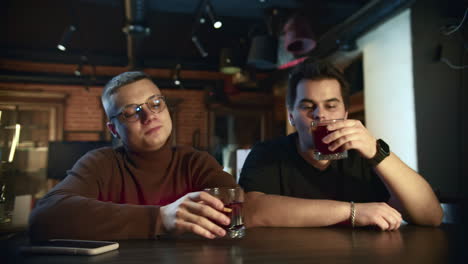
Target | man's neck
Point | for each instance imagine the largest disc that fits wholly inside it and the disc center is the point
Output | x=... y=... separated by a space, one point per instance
x=308 y=155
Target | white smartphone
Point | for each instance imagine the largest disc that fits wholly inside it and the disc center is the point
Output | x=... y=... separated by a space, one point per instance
x=71 y=247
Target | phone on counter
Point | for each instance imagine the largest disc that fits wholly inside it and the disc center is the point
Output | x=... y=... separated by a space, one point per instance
x=70 y=247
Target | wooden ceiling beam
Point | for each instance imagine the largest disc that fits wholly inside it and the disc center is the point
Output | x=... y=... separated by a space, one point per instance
x=57 y=68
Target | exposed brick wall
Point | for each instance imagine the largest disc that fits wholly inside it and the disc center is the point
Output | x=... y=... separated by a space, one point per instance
x=82 y=103
x=192 y=116
x=84 y=113
x=77 y=136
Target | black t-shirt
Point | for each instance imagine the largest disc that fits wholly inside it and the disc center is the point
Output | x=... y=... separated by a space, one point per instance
x=275 y=167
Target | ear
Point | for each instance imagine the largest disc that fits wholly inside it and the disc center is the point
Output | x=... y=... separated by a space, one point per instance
x=112 y=129
x=291 y=119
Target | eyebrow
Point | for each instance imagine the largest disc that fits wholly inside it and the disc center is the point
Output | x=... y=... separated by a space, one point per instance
x=305 y=100
x=154 y=95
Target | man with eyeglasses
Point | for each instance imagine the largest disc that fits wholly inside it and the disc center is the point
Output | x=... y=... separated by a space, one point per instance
x=139 y=190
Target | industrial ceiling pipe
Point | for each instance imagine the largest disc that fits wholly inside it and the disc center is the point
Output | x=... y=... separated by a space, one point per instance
x=136 y=30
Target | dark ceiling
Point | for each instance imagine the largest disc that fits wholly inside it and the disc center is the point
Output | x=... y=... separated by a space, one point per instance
x=31 y=29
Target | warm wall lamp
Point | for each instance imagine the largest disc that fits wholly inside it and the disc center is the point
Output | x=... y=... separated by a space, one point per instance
x=229 y=61
x=176 y=75
x=79 y=69
x=66 y=37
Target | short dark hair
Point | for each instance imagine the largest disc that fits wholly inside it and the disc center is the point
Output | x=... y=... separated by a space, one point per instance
x=311 y=69
x=118 y=81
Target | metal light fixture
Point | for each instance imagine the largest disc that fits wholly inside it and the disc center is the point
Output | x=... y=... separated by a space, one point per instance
x=176 y=75
x=66 y=37
x=78 y=70
x=204 y=7
x=299 y=38
x=229 y=62
x=263 y=52
x=199 y=46
x=210 y=12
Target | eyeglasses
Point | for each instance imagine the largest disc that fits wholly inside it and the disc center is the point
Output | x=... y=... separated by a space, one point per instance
x=156 y=104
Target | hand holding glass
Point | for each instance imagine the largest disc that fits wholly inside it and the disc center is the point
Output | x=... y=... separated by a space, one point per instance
x=232 y=199
x=319 y=131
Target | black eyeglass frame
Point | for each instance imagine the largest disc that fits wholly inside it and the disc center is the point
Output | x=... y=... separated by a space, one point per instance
x=138 y=108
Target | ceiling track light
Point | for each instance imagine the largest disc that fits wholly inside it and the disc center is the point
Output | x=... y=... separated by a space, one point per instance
x=136 y=30
x=199 y=46
x=66 y=37
x=210 y=12
x=78 y=70
x=204 y=7
x=176 y=75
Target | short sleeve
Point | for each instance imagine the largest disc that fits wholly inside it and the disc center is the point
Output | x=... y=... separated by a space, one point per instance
x=261 y=170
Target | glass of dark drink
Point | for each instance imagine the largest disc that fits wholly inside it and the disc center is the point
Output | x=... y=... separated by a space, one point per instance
x=232 y=199
x=319 y=131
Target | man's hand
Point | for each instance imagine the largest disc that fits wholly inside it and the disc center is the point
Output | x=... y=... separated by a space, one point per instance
x=196 y=212
x=351 y=134
x=378 y=214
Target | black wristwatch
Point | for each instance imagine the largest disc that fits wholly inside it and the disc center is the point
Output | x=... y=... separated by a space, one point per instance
x=383 y=151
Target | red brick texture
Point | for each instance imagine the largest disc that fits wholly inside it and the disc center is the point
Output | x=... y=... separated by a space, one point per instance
x=85 y=119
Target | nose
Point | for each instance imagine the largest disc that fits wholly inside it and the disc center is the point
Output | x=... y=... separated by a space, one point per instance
x=146 y=114
x=318 y=113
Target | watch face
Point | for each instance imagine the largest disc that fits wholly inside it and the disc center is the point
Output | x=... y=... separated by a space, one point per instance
x=385 y=148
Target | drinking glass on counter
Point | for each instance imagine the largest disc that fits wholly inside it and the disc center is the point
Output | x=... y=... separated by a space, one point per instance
x=232 y=199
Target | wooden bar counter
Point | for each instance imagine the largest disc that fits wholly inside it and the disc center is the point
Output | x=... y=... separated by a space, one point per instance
x=410 y=244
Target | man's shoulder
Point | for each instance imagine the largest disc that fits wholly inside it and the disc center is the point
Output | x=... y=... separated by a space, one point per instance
x=186 y=150
x=194 y=159
x=103 y=153
x=281 y=144
x=189 y=152
x=98 y=160
x=107 y=150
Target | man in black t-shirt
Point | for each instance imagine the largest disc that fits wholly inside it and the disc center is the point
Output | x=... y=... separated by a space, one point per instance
x=287 y=187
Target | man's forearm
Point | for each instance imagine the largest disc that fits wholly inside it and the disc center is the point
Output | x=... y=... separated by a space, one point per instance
x=413 y=194
x=78 y=217
x=273 y=210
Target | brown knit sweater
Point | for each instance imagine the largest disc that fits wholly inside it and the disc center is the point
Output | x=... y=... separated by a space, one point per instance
x=112 y=194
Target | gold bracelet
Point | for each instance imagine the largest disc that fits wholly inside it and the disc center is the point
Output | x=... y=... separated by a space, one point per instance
x=353 y=214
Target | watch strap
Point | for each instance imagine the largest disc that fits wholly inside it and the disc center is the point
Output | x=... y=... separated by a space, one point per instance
x=383 y=151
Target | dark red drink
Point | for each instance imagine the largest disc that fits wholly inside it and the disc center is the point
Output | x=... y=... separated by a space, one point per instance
x=235 y=215
x=232 y=198
x=319 y=131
